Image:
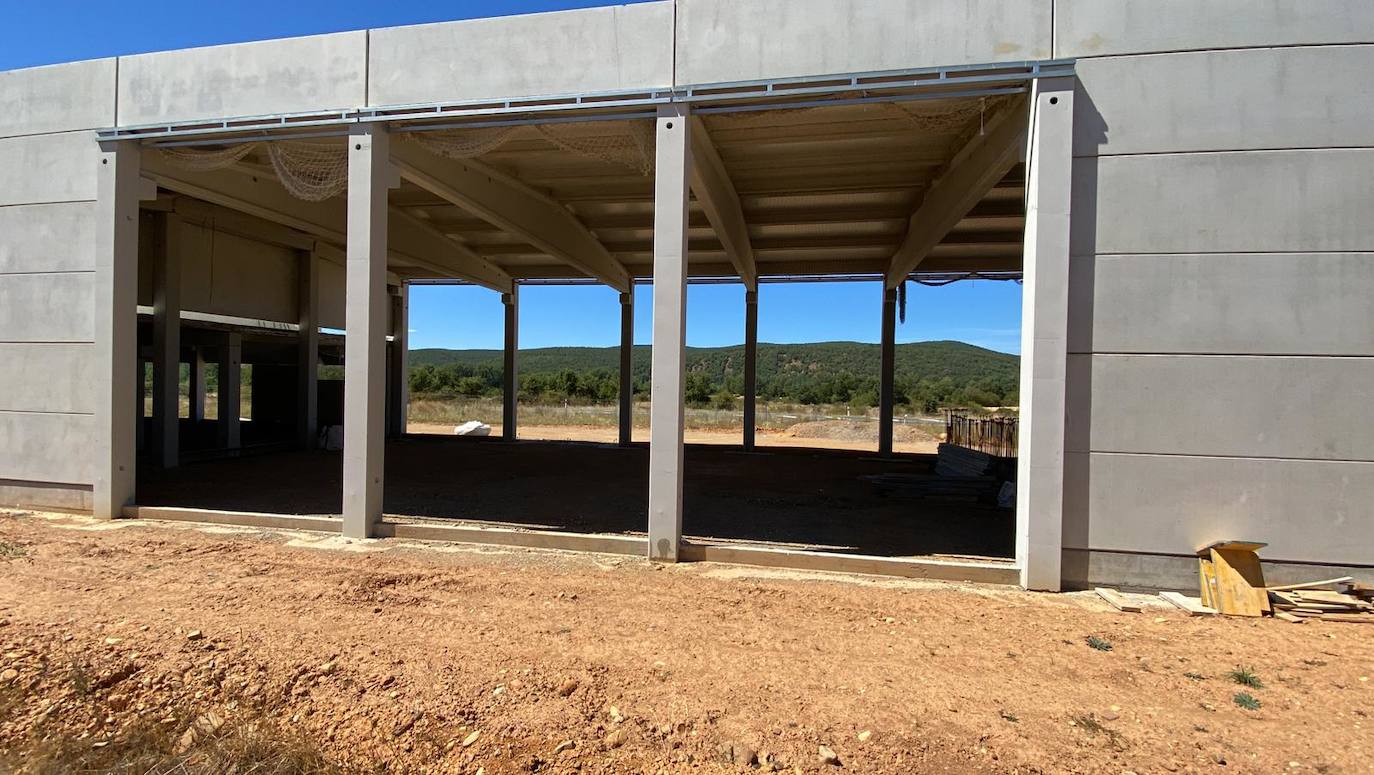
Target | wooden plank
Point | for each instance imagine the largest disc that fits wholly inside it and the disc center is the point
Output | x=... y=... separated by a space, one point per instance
x=1308 y=584
x=1239 y=583
x=1117 y=600
x=1207 y=581
x=1192 y=605
x=1246 y=546
x=1287 y=617
x=1351 y=618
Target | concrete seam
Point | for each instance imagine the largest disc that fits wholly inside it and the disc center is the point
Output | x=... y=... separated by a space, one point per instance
x=1201 y=456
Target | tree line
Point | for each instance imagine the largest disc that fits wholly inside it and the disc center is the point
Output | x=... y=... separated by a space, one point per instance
x=927 y=375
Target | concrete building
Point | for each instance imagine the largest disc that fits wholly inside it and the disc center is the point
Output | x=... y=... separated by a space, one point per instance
x=1184 y=184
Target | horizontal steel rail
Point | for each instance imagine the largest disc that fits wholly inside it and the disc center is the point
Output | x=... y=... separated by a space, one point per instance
x=775 y=93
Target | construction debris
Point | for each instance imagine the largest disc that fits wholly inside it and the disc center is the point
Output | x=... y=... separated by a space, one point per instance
x=1117 y=600
x=1232 y=583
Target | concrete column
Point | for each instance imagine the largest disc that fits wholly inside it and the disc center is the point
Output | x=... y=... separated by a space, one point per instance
x=510 y=373
x=398 y=390
x=114 y=444
x=365 y=330
x=166 y=343
x=627 y=377
x=230 y=369
x=307 y=348
x=887 y=370
x=1044 y=332
x=751 y=358
x=196 y=389
x=670 y=328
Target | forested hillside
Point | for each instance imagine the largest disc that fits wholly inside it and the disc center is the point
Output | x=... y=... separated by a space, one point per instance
x=929 y=375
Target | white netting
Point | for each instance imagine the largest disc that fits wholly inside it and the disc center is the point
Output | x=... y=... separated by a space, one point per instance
x=309 y=170
x=462 y=143
x=628 y=143
x=941 y=118
x=930 y=116
x=198 y=160
x=313 y=171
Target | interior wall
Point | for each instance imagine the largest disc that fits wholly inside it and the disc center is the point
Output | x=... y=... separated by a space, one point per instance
x=47 y=266
x=1223 y=261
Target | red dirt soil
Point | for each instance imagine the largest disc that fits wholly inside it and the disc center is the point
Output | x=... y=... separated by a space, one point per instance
x=398 y=652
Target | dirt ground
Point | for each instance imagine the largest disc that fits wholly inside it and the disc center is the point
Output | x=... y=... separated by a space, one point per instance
x=407 y=657
x=821 y=434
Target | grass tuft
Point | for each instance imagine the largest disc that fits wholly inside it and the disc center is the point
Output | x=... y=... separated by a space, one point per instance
x=1099 y=644
x=1195 y=676
x=9 y=551
x=1245 y=700
x=1245 y=676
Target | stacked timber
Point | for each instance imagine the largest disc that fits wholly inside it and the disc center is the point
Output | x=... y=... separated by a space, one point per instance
x=954 y=488
x=1347 y=605
x=953 y=460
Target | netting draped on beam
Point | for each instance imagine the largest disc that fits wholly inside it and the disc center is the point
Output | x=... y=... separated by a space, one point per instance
x=462 y=143
x=931 y=116
x=309 y=170
x=628 y=143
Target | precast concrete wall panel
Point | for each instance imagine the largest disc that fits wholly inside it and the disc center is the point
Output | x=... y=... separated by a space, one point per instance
x=47 y=378
x=597 y=49
x=46 y=447
x=740 y=40
x=1266 y=201
x=47 y=238
x=252 y=279
x=56 y=307
x=1239 y=406
x=1223 y=303
x=1308 y=511
x=48 y=158
x=1313 y=97
x=294 y=75
x=1093 y=28
x=37 y=169
x=57 y=98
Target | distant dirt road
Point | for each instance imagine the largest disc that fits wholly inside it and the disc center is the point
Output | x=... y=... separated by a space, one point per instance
x=433 y=658
x=904 y=442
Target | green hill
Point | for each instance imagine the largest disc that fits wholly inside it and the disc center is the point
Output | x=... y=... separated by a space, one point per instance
x=928 y=374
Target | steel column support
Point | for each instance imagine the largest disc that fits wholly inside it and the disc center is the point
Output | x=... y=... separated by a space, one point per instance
x=398 y=392
x=627 y=377
x=116 y=328
x=365 y=322
x=751 y=358
x=1044 y=337
x=510 y=370
x=230 y=373
x=166 y=343
x=887 y=371
x=307 y=348
x=674 y=162
x=196 y=386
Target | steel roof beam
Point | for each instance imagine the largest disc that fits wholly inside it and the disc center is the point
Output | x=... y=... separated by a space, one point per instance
x=413 y=243
x=711 y=183
x=513 y=206
x=974 y=171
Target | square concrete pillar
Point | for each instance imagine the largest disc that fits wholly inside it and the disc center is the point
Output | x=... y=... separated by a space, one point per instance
x=887 y=371
x=166 y=343
x=751 y=359
x=627 y=377
x=510 y=372
x=307 y=348
x=196 y=388
x=365 y=328
x=114 y=444
x=230 y=375
x=674 y=159
x=1044 y=330
x=398 y=390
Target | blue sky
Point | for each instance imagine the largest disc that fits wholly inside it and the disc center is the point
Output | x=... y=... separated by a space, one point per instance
x=984 y=313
